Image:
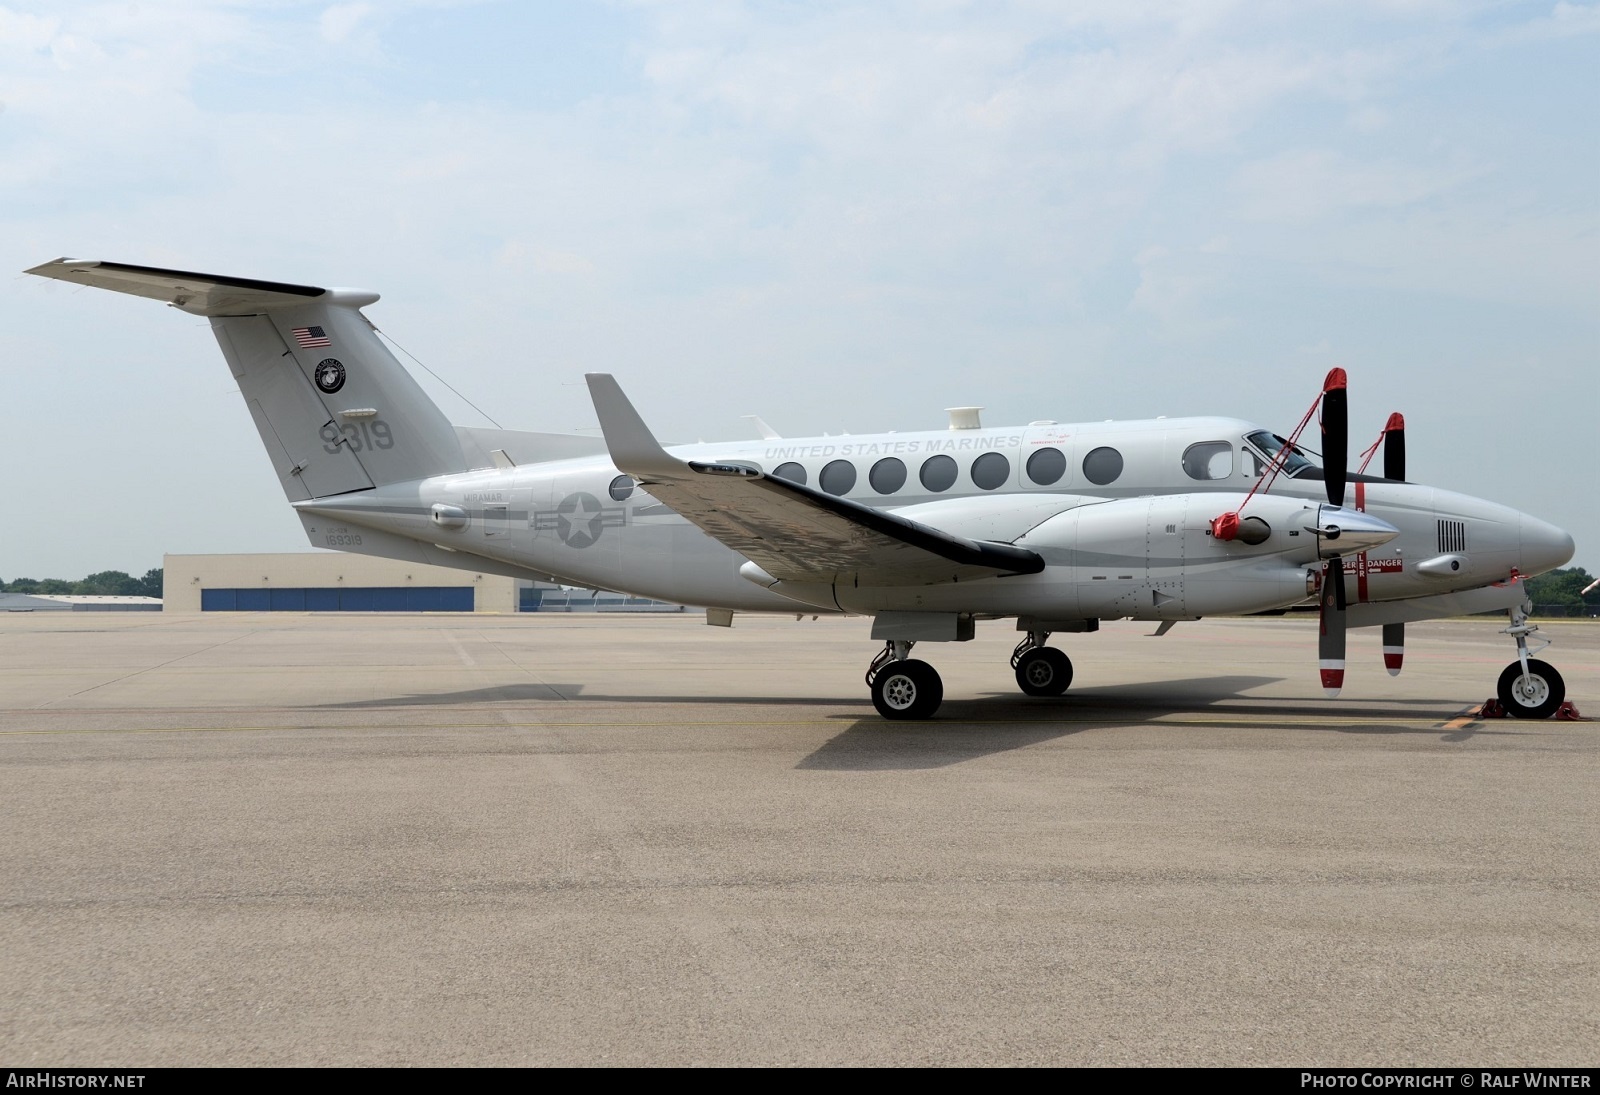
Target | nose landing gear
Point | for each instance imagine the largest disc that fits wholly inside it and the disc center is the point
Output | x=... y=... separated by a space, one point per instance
x=1528 y=687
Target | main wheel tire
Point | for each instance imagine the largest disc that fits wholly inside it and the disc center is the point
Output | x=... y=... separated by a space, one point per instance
x=1044 y=671
x=907 y=689
x=1535 y=695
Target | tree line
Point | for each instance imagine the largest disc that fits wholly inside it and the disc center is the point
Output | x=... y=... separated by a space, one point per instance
x=106 y=583
x=1564 y=588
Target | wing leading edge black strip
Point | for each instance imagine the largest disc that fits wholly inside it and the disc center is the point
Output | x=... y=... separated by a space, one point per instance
x=216 y=279
x=1006 y=557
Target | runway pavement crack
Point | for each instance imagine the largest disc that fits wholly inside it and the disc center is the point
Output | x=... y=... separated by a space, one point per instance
x=148 y=669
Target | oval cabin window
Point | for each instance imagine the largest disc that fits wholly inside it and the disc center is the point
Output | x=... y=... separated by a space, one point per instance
x=1047 y=466
x=1102 y=465
x=938 y=473
x=991 y=470
x=838 y=477
x=887 y=475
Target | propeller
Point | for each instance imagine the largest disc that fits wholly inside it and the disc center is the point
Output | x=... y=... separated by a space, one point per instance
x=1394 y=447
x=1339 y=531
x=1335 y=434
x=1335 y=458
x=1394 y=467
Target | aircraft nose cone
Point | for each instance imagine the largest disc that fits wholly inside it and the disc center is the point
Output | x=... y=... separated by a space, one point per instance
x=1544 y=547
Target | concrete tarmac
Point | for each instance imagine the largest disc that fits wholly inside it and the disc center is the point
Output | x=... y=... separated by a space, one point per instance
x=301 y=839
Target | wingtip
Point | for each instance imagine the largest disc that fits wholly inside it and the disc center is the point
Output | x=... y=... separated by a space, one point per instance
x=55 y=266
x=633 y=448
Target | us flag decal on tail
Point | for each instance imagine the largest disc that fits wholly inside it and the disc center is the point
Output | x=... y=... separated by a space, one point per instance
x=311 y=338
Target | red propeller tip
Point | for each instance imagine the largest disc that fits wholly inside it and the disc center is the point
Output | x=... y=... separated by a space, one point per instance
x=1335 y=379
x=1332 y=679
x=1397 y=421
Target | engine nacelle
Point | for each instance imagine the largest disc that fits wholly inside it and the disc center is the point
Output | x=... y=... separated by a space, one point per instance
x=1156 y=558
x=1150 y=558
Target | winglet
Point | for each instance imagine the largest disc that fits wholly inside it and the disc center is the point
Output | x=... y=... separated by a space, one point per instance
x=634 y=449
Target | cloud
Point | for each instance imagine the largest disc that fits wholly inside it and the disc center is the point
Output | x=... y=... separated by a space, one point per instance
x=340 y=21
x=22 y=32
x=1565 y=20
x=1317 y=183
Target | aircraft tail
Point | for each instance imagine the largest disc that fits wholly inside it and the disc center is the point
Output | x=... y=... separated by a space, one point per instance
x=335 y=410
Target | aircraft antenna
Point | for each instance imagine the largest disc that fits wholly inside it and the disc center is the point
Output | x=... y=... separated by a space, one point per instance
x=433 y=374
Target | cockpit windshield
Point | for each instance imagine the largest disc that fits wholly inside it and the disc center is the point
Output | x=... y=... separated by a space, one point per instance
x=1271 y=444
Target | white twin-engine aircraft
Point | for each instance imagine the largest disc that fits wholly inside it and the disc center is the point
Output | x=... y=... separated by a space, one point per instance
x=1055 y=525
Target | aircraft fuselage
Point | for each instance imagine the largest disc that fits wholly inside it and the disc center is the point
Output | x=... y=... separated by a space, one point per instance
x=1136 y=544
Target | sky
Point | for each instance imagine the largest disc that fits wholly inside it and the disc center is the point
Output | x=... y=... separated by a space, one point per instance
x=841 y=217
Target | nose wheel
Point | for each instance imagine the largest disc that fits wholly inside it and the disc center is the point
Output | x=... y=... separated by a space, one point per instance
x=1529 y=688
x=1534 y=692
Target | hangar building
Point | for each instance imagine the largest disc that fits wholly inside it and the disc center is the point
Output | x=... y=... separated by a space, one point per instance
x=335 y=581
x=328 y=581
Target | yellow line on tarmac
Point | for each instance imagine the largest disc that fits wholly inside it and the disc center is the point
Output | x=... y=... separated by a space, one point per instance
x=1465 y=719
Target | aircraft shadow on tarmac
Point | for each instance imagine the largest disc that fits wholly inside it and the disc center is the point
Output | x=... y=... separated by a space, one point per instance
x=997 y=722
x=563 y=692
x=1155 y=695
x=965 y=730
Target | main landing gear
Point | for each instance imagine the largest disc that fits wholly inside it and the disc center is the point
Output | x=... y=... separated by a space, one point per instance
x=902 y=687
x=1041 y=670
x=1528 y=687
x=905 y=688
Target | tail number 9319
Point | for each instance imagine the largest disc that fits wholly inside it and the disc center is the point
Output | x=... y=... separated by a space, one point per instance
x=358 y=435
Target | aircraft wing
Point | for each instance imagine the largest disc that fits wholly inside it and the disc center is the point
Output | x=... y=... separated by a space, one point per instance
x=793 y=532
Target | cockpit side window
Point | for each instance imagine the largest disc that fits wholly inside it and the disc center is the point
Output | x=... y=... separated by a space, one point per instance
x=1271 y=443
x=1208 y=460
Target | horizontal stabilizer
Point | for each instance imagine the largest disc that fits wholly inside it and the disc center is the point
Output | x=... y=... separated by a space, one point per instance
x=201 y=294
x=795 y=533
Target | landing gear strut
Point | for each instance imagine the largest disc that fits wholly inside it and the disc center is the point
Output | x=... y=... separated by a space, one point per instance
x=902 y=687
x=1041 y=670
x=1529 y=688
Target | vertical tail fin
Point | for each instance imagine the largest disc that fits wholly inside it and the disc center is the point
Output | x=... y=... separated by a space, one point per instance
x=321 y=384
x=335 y=410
